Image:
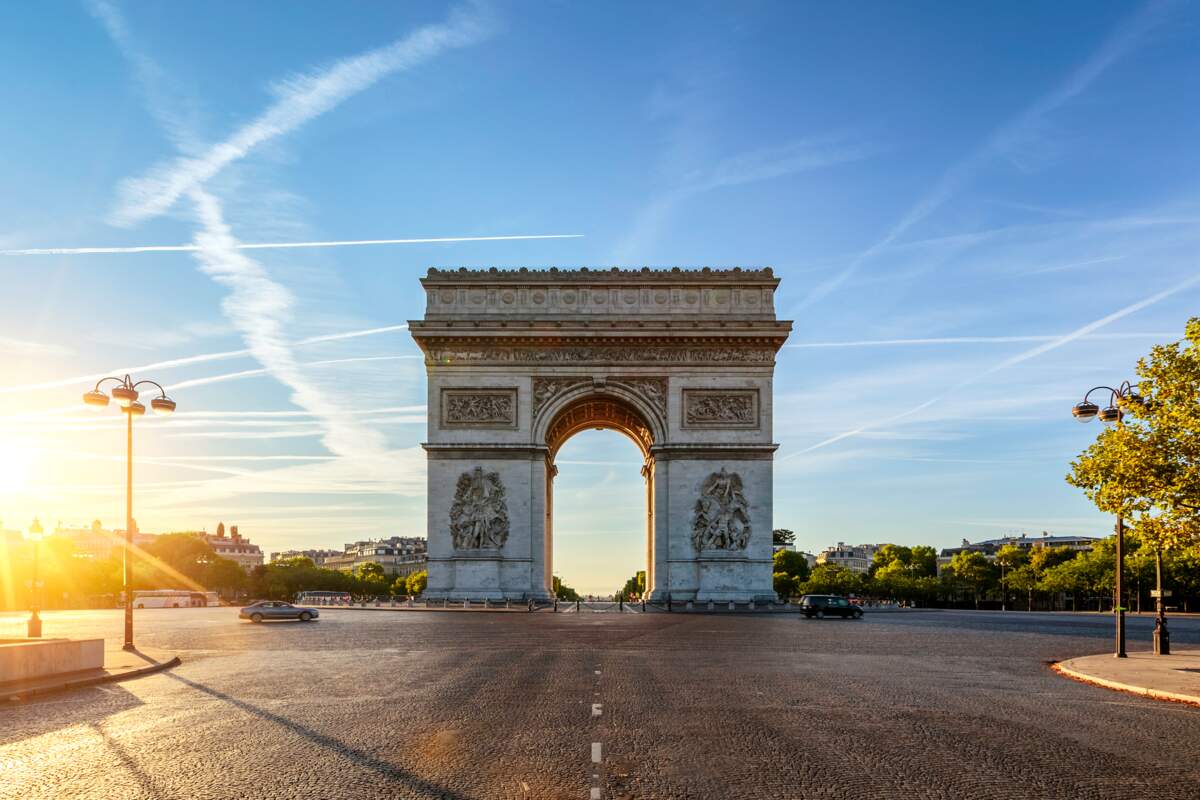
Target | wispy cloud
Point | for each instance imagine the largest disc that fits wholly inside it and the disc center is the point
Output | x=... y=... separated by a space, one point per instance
x=757 y=165
x=300 y=99
x=939 y=340
x=22 y=347
x=1002 y=140
x=202 y=358
x=1025 y=355
x=193 y=248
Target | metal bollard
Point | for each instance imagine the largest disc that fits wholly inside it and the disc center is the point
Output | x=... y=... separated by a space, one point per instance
x=578 y=605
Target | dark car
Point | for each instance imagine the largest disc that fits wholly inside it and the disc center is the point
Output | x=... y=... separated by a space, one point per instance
x=828 y=605
x=275 y=609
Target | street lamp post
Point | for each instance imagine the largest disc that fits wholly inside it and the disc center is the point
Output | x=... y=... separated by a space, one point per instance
x=35 y=622
x=126 y=395
x=1085 y=411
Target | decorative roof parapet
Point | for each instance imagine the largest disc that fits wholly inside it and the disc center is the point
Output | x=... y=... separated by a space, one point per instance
x=601 y=274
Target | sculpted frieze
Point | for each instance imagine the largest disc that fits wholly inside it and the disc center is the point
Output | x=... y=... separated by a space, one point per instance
x=469 y=407
x=601 y=354
x=722 y=408
x=479 y=514
x=722 y=514
x=546 y=389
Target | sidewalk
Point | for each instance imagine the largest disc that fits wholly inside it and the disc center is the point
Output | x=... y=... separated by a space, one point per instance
x=119 y=665
x=1175 y=677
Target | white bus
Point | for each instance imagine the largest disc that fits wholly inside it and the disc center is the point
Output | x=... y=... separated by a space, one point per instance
x=171 y=598
x=323 y=598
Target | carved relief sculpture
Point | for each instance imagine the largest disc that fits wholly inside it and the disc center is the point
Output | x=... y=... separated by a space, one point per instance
x=654 y=390
x=479 y=407
x=479 y=515
x=722 y=514
x=546 y=389
x=734 y=409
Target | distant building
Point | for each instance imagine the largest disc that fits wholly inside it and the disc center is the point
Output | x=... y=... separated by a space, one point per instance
x=853 y=557
x=98 y=542
x=398 y=555
x=235 y=547
x=989 y=547
x=318 y=556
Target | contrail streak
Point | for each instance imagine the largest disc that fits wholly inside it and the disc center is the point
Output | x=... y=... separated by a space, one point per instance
x=970 y=340
x=299 y=99
x=189 y=360
x=1033 y=352
x=192 y=248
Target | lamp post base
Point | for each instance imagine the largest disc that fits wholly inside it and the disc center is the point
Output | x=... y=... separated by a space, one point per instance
x=35 y=626
x=1162 y=638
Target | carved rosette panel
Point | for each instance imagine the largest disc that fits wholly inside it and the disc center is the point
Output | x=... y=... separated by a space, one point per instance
x=720 y=408
x=479 y=514
x=722 y=514
x=600 y=355
x=475 y=408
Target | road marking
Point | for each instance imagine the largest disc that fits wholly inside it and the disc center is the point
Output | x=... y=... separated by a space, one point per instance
x=596 y=709
x=595 y=794
x=597 y=672
x=596 y=759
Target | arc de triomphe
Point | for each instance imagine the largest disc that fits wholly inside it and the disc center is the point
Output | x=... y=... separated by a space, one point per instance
x=680 y=361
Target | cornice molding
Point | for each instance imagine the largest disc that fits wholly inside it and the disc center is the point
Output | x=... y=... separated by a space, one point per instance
x=524 y=275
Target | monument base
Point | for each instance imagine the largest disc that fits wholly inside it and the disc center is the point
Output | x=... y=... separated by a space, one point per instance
x=725 y=576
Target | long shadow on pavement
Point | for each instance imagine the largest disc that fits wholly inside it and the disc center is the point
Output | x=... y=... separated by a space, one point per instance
x=43 y=715
x=127 y=761
x=392 y=773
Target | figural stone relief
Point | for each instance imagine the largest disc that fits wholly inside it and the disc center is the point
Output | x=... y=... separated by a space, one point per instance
x=722 y=519
x=720 y=409
x=479 y=515
x=652 y=390
x=583 y=354
x=475 y=407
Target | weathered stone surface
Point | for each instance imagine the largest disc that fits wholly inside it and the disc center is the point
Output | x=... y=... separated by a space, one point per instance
x=680 y=361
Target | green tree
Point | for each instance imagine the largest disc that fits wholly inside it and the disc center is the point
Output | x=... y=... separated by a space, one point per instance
x=224 y=576
x=1009 y=558
x=833 y=579
x=564 y=592
x=792 y=564
x=174 y=561
x=786 y=585
x=634 y=588
x=971 y=570
x=782 y=537
x=416 y=582
x=1147 y=469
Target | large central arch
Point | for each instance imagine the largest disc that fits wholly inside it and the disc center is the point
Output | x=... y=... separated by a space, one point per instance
x=679 y=361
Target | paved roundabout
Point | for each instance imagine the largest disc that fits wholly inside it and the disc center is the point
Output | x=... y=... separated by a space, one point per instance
x=477 y=705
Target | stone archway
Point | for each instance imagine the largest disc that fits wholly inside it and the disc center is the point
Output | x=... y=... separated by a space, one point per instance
x=679 y=361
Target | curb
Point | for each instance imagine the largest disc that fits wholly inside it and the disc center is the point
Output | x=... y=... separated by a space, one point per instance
x=1141 y=691
x=19 y=695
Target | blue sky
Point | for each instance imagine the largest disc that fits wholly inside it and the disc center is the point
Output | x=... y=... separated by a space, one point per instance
x=978 y=212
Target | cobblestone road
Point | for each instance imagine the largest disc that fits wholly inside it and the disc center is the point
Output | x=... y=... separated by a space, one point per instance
x=380 y=704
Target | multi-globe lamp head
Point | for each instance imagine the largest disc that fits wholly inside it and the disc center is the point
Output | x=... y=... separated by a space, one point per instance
x=126 y=396
x=34 y=534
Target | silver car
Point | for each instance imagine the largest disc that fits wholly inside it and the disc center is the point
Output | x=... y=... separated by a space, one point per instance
x=277 y=609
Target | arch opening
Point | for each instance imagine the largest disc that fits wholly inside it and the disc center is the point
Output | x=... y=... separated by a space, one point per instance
x=606 y=513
